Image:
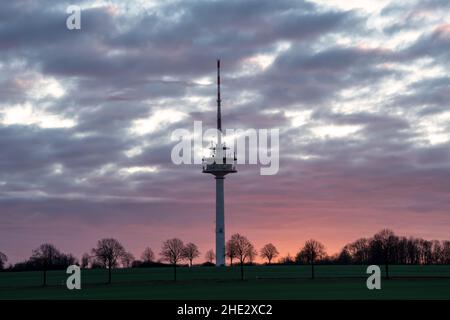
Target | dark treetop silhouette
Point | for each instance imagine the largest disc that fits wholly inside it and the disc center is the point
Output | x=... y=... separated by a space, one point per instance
x=244 y=250
x=172 y=251
x=108 y=252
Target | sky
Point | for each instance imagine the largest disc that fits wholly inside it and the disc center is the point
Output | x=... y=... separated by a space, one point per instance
x=360 y=91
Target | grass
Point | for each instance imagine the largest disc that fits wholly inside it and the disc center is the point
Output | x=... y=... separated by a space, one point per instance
x=262 y=282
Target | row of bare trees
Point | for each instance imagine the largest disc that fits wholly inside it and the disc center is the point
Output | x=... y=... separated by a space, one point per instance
x=46 y=257
x=109 y=252
x=387 y=248
x=383 y=248
x=238 y=247
x=402 y=250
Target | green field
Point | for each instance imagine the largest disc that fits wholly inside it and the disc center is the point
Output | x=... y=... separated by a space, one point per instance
x=262 y=282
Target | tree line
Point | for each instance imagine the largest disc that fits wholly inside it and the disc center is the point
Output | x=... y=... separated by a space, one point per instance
x=384 y=248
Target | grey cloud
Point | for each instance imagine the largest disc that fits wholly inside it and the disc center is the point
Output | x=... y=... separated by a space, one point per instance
x=434 y=45
x=302 y=76
x=429 y=96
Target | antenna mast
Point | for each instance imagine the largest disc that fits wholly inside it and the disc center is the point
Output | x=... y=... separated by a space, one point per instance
x=219 y=116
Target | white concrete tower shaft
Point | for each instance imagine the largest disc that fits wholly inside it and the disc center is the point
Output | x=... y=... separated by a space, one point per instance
x=220 y=222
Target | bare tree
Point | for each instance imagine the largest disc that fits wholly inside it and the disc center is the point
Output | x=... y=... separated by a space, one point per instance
x=426 y=251
x=45 y=257
x=210 y=256
x=412 y=251
x=385 y=241
x=148 y=255
x=402 y=251
x=359 y=250
x=108 y=252
x=127 y=259
x=243 y=248
x=344 y=257
x=172 y=251
x=287 y=259
x=311 y=252
x=269 y=252
x=85 y=260
x=3 y=260
x=191 y=252
x=446 y=252
x=437 y=252
x=230 y=252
